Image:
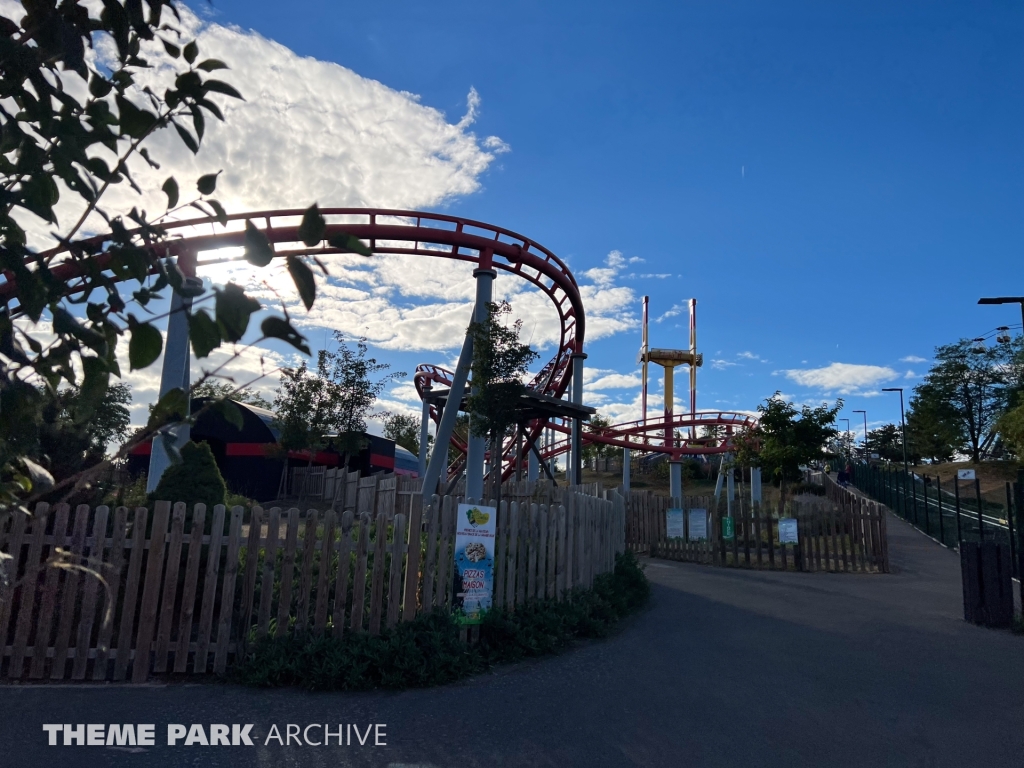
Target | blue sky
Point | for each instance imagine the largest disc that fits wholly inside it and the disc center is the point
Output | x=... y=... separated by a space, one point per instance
x=836 y=183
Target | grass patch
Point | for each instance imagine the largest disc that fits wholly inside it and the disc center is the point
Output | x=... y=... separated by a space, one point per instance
x=428 y=651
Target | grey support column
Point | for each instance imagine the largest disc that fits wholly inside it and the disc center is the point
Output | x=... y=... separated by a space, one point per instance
x=675 y=479
x=533 y=467
x=424 y=434
x=477 y=447
x=174 y=374
x=576 y=449
x=625 y=470
x=755 y=485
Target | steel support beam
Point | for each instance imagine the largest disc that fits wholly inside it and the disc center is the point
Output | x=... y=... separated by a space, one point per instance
x=477 y=447
x=577 y=424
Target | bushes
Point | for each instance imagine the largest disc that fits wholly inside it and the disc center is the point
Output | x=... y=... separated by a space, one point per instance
x=428 y=651
x=196 y=480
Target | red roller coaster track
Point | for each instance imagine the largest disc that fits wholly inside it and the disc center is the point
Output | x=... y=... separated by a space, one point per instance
x=412 y=233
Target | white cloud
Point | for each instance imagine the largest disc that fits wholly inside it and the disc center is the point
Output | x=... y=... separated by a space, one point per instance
x=313 y=130
x=676 y=309
x=751 y=356
x=913 y=359
x=720 y=365
x=844 y=378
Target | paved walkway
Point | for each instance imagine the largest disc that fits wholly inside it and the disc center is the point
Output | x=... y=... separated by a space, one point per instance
x=727 y=668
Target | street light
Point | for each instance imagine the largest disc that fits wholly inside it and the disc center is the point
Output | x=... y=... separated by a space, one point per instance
x=903 y=421
x=1006 y=300
x=867 y=456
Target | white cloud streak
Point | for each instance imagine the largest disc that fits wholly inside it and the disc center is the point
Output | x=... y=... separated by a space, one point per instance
x=844 y=378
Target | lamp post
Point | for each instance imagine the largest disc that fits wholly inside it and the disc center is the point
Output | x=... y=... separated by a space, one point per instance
x=903 y=422
x=906 y=465
x=1006 y=300
x=865 y=414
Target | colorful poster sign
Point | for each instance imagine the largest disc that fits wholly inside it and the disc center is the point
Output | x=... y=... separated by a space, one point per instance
x=787 y=530
x=728 y=528
x=474 y=561
x=698 y=524
x=674 y=524
x=965 y=474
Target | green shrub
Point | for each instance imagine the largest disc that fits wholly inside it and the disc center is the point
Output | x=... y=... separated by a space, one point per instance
x=195 y=480
x=428 y=650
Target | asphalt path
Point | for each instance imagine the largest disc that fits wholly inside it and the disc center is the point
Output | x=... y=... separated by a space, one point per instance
x=726 y=668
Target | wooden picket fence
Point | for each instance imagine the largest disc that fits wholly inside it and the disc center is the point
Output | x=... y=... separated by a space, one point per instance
x=184 y=593
x=832 y=537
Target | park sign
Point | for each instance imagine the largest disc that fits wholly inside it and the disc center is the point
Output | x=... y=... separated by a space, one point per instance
x=698 y=524
x=788 y=530
x=728 y=528
x=965 y=474
x=474 y=562
x=674 y=523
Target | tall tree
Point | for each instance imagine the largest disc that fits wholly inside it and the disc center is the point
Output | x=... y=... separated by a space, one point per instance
x=887 y=442
x=786 y=438
x=330 y=404
x=404 y=430
x=965 y=392
x=597 y=424
x=500 y=362
x=222 y=390
x=306 y=411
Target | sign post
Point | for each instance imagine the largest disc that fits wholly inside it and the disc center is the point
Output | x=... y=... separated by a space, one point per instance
x=698 y=524
x=474 y=562
x=674 y=523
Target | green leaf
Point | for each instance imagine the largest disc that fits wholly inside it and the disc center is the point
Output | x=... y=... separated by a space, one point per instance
x=171 y=407
x=345 y=242
x=64 y=323
x=134 y=122
x=170 y=189
x=230 y=411
x=172 y=50
x=191 y=51
x=204 y=333
x=219 y=86
x=304 y=281
x=187 y=139
x=279 y=328
x=233 y=311
x=41 y=479
x=207 y=184
x=95 y=381
x=145 y=346
x=211 y=64
x=311 y=230
x=222 y=215
x=257 y=248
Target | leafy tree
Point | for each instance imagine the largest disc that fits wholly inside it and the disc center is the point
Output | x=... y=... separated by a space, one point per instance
x=217 y=390
x=404 y=430
x=597 y=424
x=332 y=403
x=360 y=381
x=1011 y=427
x=306 y=409
x=195 y=480
x=887 y=442
x=961 y=398
x=66 y=446
x=73 y=123
x=500 y=362
x=785 y=438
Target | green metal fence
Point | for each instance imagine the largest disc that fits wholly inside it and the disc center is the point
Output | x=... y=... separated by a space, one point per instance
x=949 y=512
